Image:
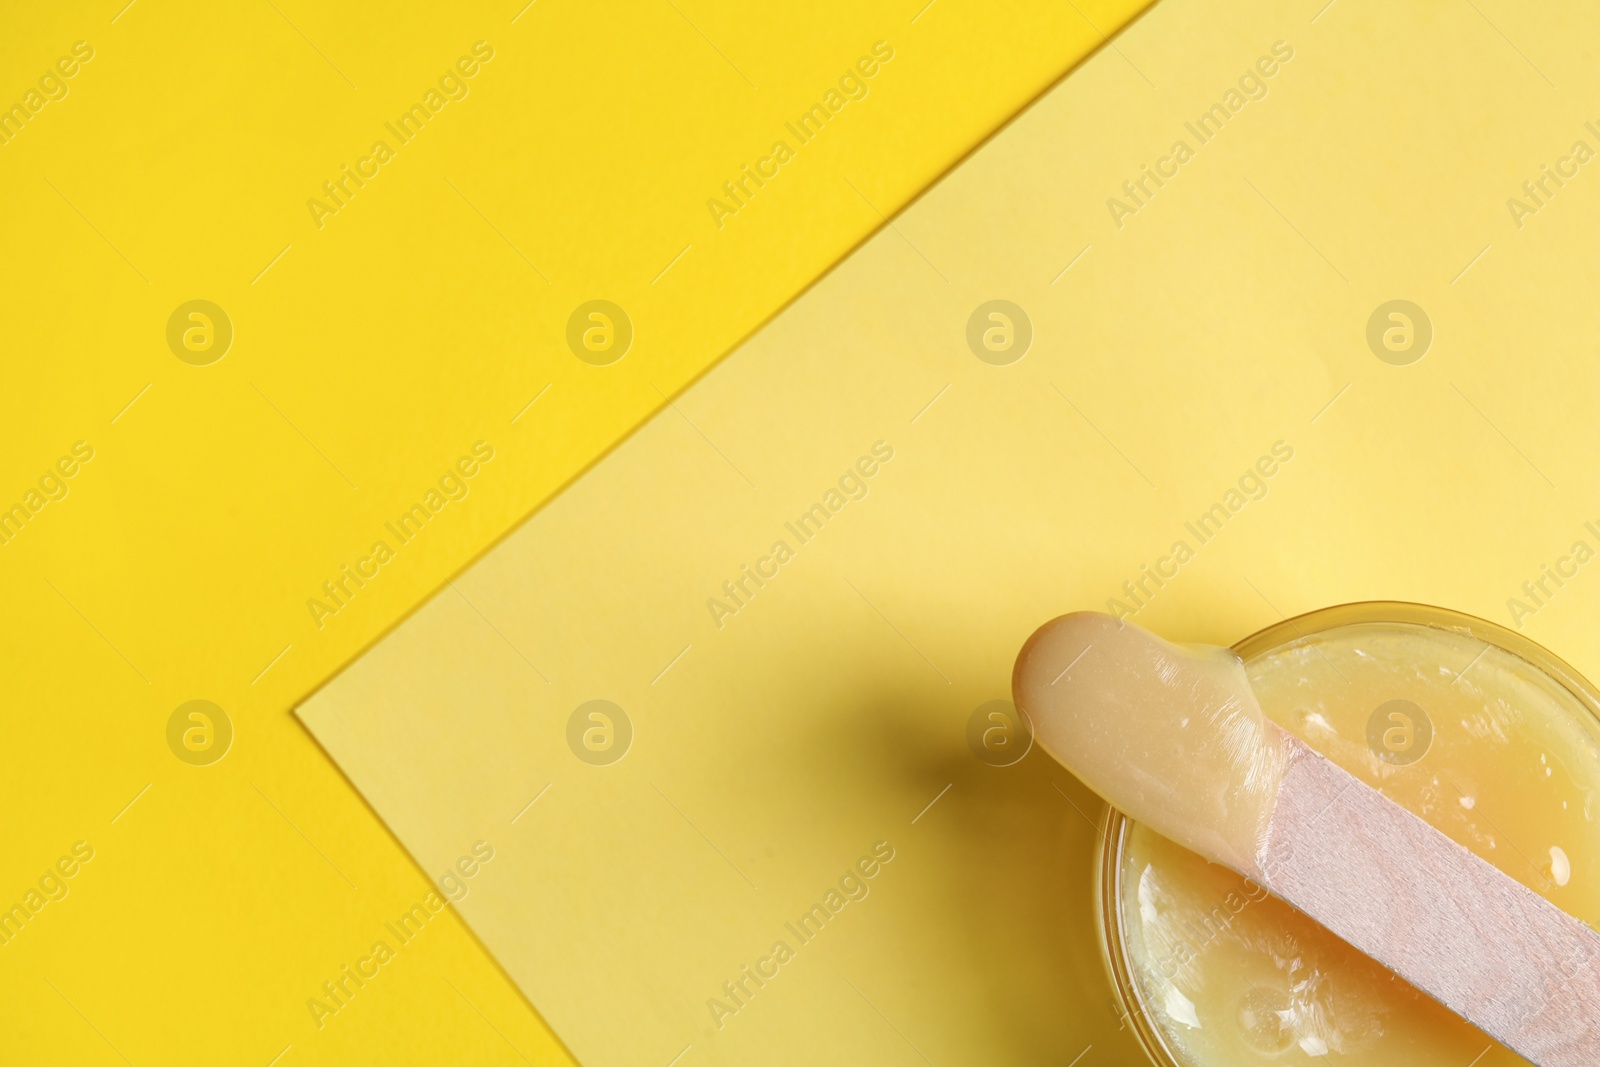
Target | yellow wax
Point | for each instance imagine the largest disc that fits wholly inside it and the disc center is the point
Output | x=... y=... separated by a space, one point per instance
x=1232 y=977
x=1171 y=735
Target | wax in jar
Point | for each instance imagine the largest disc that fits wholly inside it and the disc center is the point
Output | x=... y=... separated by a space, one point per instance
x=1478 y=742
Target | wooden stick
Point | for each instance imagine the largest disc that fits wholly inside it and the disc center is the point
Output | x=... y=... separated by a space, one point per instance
x=1476 y=940
x=1175 y=737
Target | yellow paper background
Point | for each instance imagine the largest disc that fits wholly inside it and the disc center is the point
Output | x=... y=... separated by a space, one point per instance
x=1228 y=315
x=368 y=355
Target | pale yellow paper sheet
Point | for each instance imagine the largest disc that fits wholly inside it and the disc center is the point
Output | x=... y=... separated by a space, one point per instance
x=1215 y=318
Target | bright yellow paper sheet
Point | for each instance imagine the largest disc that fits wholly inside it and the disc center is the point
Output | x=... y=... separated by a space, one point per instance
x=190 y=486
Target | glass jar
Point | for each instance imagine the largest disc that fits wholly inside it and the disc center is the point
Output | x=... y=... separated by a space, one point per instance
x=1471 y=726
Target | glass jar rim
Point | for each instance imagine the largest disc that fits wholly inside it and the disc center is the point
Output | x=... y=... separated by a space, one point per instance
x=1115 y=825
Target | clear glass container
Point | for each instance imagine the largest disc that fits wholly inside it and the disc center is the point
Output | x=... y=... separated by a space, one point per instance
x=1514 y=731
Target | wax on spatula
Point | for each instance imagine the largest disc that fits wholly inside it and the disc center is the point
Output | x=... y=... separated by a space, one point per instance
x=1173 y=736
